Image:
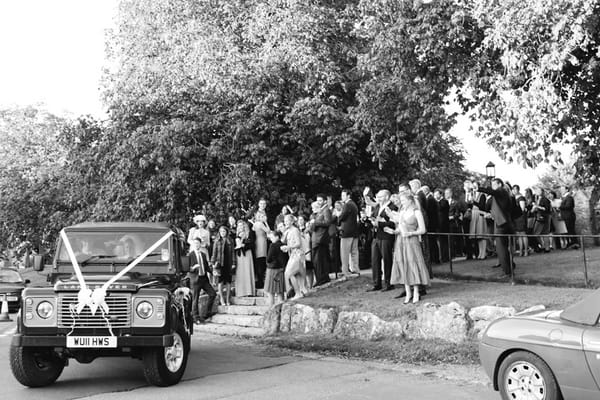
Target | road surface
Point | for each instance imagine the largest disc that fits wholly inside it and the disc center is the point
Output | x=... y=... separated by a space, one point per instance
x=225 y=368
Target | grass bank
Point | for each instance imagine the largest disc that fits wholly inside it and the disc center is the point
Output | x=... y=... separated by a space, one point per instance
x=351 y=295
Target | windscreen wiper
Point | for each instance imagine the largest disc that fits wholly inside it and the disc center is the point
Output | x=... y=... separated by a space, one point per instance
x=96 y=257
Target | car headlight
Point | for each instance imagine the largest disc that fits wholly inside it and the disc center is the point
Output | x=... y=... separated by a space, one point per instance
x=45 y=309
x=144 y=310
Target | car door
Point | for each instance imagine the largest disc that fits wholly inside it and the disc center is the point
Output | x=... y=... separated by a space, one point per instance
x=591 y=347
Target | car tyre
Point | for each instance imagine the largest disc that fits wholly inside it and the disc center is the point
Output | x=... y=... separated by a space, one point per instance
x=35 y=367
x=164 y=366
x=528 y=374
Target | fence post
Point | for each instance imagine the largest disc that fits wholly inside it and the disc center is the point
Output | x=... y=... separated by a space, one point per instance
x=450 y=254
x=585 y=268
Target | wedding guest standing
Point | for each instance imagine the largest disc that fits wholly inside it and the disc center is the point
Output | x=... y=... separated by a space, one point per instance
x=224 y=262
x=305 y=235
x=200 y=232
x=244 y=275
x=276 y=262
x=567 y=212
x=319 y=224
x=295 y=270
x=382 y=248
x=348 y=222
x=200 y=280
x=542 y=209
x=409 y=267
x=260 y=228
x=479 y=222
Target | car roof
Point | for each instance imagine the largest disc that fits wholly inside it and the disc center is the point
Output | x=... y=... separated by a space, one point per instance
x=584 y=312
x=120 y=226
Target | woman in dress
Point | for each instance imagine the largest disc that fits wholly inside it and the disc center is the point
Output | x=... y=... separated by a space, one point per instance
x=305 y=233
x=223 y=262
x=295 y=270
x=479 y=222
x=408 y=267
x=260 y=228
x=244 y=274
x=558 y=224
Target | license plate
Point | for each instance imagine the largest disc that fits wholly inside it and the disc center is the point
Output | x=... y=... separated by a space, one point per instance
x=12 y=298
x=106 y=342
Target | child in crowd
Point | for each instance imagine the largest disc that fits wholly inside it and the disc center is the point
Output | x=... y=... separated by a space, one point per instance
x=224 y=261
x=276 y=262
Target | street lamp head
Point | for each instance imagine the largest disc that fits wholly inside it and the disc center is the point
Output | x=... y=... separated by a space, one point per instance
x=490 y=170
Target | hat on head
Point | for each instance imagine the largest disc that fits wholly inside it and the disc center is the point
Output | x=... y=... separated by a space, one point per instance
x=198 y=218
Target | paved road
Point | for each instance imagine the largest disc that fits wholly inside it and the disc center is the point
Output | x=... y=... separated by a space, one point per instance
x=223 y=368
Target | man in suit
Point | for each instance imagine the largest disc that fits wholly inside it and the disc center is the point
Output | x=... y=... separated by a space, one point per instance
x=501 y=213
x=567 y=212
x=382 y=248
x=443 y=222
x=319 y=224
x=432 y=224
x=348 y=222
x=199 y=280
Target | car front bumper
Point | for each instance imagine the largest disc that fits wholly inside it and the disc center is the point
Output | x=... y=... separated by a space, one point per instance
x=20 y=340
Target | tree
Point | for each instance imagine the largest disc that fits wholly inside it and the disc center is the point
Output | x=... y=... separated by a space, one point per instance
x=229 y=100
x=536 y=83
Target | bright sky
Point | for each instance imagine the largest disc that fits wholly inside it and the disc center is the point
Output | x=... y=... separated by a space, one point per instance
x=53 y=52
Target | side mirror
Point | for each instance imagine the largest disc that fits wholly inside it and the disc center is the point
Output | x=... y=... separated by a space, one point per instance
x=27 y=281
x=38 y=263
x=185 y=263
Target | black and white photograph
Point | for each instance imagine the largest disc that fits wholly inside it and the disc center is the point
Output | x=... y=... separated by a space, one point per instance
x=300 y=199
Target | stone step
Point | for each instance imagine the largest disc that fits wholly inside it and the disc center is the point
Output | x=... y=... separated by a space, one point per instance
x=243 y=310
x=228 y=330
x=254 y=321
x=249 y=301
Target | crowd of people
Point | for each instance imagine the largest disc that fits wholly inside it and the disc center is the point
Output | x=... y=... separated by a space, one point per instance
x=300 y=248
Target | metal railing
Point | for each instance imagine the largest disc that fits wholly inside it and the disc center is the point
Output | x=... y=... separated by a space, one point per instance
x=511 y=238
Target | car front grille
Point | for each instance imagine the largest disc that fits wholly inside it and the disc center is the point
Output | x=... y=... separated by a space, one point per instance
x=119 y=313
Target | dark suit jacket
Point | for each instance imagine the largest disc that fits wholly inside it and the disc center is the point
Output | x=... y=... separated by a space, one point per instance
x=501 y=207
x=432 y=214
x=567 y=208
x=348 y=220
x=193 y=274
x=320 y=228
x=381 y=234
x=420 y=197
x=443 y=216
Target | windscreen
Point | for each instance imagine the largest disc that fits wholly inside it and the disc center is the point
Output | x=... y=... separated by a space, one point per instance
x=112 y=247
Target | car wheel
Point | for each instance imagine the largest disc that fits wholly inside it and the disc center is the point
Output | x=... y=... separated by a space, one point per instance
x=523 y=375
x=164 y=366
x=35 y=367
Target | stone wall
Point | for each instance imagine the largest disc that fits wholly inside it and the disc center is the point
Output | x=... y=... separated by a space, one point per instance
x=451 y=322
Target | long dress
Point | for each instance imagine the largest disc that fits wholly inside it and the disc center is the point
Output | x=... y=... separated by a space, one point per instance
x=293 y=240
x=478 y=221
x=409 y=266
x=244 y=274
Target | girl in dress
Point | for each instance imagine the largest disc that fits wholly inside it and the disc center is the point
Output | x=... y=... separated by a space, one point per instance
x=408 y=266
x=244 y=275
x=223 y=261
x=295 y=270
x=558 y=224
x=276 y=262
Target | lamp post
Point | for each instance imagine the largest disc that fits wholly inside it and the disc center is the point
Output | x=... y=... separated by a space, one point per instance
x=490 y=170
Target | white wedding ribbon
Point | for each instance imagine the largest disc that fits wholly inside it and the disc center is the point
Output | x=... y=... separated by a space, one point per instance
x=95 y=299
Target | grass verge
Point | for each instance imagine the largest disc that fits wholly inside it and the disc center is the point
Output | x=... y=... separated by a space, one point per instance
x=426 y=351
